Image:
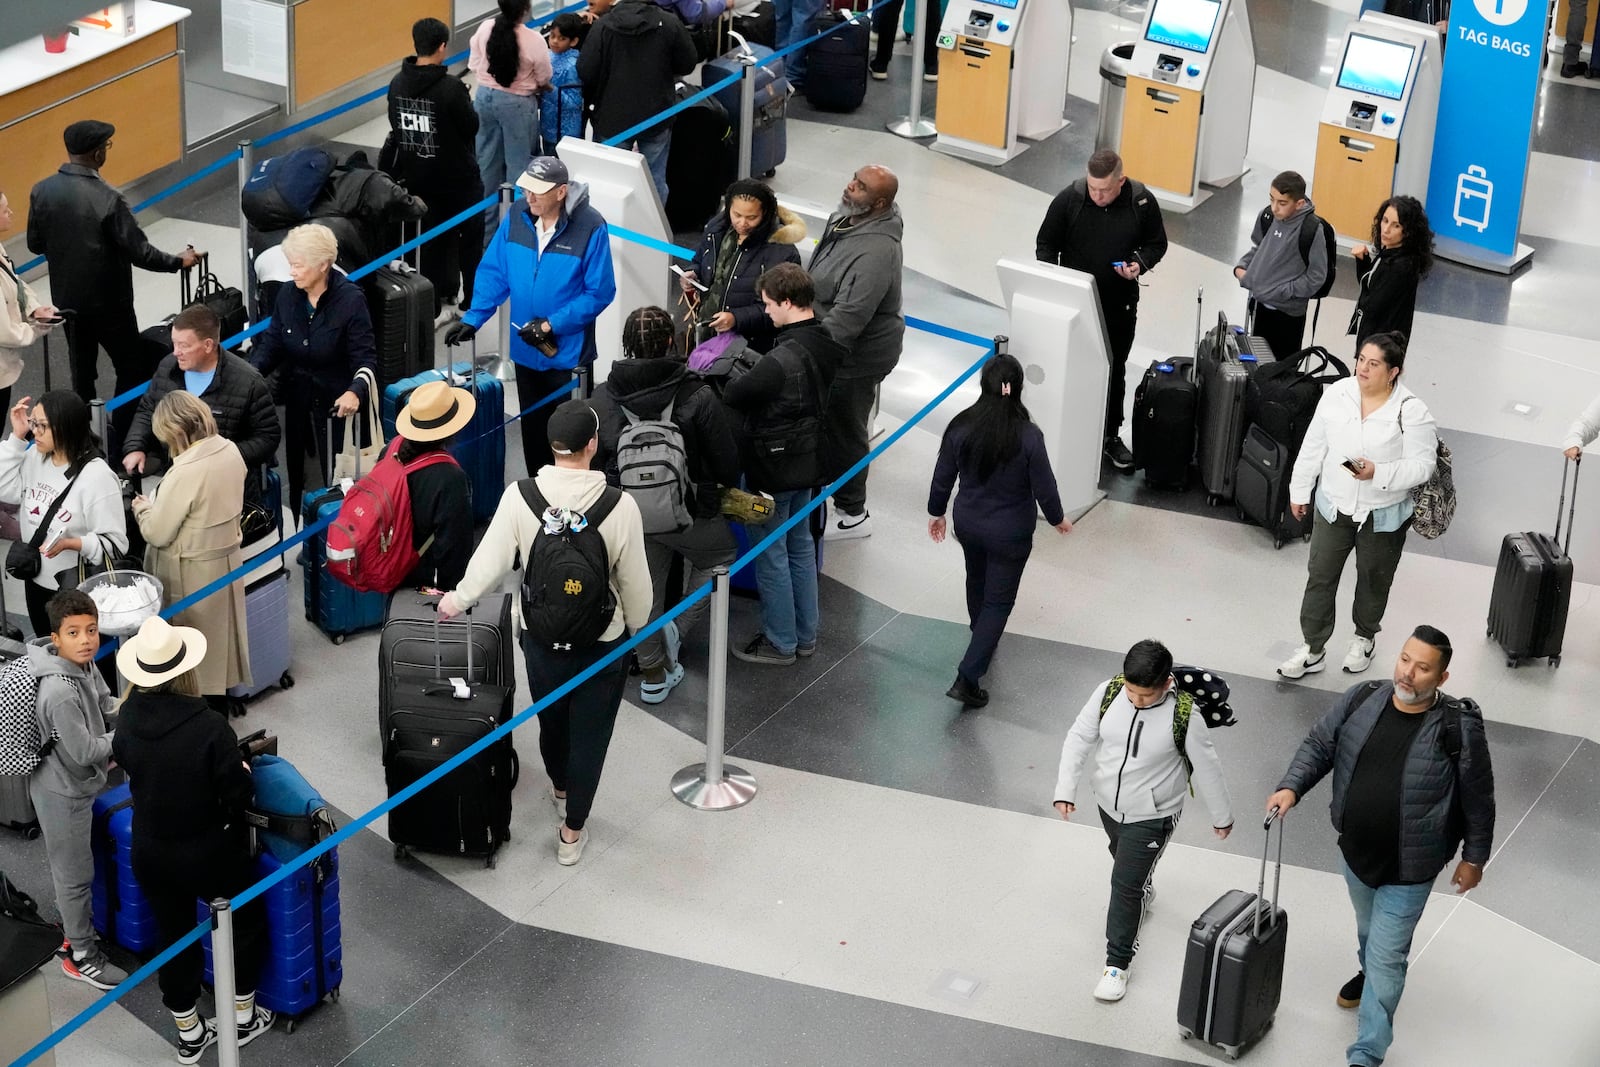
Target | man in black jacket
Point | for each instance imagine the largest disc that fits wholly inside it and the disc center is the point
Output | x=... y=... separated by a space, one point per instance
x=783 y=399
x=634 y=55
x=1109 y=227
x=430 y=150
x=84 y=227
x=1411 y=780
x=234 y=390
x=643 y=385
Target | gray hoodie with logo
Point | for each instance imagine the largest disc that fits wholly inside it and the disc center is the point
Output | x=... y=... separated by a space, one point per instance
x=75 y=705
x=1274 y=272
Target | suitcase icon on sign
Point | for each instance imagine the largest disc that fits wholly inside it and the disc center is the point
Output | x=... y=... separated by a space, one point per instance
x=1474 y=195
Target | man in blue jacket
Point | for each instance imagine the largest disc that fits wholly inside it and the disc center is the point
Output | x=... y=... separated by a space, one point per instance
x=552 y=257
x=1411 y=781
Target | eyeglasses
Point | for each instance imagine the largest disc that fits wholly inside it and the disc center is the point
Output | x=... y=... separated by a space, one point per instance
x=36 y=426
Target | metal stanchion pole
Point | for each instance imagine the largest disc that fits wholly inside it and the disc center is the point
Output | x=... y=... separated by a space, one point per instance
x=747 y=108
x=914 y=125
x=506 y=370
x=714 y=785
x=1002 y=344
x=222 y=981
x=97 y=421
x=246 y=272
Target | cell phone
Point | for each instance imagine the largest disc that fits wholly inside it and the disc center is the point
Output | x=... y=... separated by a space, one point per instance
x=1119 y=263
x=52 y=320
x=1350 y=465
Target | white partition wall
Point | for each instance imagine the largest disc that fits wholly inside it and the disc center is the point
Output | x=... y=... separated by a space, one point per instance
x=1058 y=335
x=621 y=190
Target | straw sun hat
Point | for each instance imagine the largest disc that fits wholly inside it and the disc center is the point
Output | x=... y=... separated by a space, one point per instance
x=435 y=411
x=160 y=652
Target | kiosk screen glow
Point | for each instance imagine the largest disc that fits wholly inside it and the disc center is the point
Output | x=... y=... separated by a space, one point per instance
x=1375 y=66
x=1183 y=24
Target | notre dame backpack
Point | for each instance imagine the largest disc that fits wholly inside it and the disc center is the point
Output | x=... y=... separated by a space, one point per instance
x=567 y=601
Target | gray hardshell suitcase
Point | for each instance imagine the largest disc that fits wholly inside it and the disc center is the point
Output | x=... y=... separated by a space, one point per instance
x=16 y=807
x=1223 y=372
x=266 y=618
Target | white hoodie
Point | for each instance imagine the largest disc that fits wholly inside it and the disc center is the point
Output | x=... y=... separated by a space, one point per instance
x=93 y=507
x=1138 y=773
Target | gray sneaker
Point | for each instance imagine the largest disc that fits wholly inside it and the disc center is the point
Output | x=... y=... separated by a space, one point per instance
x=760 y=650
x=94 y=969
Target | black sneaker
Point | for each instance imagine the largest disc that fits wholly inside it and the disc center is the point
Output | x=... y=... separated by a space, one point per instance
x=1117 y=453
x=1350 y=993
x=191 y=1047
x=259 y=1024
x=760 y=650
x=1575 y=70
x=967 y=694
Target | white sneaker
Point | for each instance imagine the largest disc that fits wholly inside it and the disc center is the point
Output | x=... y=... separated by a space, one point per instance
x=568 y=852
x=1359 y=658
x=1113 y=985
x=1302 y=663
x=845 y=526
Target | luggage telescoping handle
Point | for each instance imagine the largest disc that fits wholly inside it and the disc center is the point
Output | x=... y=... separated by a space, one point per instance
x=1575 y=464
x=1277 y=875
x=438 y=645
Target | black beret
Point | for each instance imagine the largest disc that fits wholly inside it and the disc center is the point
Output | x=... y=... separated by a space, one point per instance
x=84 y=137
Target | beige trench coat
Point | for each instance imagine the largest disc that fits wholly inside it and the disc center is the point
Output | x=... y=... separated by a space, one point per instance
x=192 y=529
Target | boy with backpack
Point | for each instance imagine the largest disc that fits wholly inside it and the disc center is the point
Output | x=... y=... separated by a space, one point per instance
x=665 y=440
x=1149 y=748
x=585 y=583
x=73 y=710
x=1286 y=266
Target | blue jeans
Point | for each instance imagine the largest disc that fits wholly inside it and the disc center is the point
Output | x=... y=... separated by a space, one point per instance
x=655 y=145
x=796 y=21
x=786 y=578
x=508 y=130
x=1385 y=920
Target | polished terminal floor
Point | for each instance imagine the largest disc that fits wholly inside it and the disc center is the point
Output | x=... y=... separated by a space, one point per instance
x=900 y=891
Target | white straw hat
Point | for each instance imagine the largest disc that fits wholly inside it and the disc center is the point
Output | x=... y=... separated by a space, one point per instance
x=160 y=652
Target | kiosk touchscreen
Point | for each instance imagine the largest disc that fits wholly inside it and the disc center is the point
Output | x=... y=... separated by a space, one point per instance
x=1386 y=91
x=1186 y=118
x=1002 y=76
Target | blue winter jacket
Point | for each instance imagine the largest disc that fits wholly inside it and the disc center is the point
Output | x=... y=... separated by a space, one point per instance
x=570 y=284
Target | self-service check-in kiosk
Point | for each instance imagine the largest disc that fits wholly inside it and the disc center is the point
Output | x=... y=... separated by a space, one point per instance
x=1002 y=75
x=1375 y=139
x=1186 y=118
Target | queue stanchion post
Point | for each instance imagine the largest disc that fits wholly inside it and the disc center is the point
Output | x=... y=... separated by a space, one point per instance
x=1002 y=344
x=97 y=420
x=914 y=125
x=246 y=268
x=508 y=373
x=747 y=105
x=715 y=785
x=222 y=982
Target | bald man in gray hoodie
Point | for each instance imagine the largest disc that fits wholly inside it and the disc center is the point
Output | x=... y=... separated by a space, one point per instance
x=1280 y=279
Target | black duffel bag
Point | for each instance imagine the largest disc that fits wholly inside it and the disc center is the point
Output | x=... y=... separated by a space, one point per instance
x=1281 y=397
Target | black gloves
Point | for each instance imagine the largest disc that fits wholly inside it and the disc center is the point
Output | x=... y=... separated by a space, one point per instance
x=534 y=334
x=458 y=333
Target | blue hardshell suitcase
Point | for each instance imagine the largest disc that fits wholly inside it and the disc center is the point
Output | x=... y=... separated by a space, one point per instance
x=480 y=448
x=769 y=142
x=120 y=910
x=335 y=608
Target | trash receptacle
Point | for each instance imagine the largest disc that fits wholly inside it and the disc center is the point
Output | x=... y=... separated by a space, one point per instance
x=1115 y=65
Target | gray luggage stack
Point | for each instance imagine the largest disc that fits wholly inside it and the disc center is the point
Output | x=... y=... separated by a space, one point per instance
x=1223 y=371
x=266 y=616
x=16 y=807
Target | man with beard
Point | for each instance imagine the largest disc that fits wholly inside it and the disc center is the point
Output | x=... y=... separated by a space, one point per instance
x=856 y=270
x=1411 y=780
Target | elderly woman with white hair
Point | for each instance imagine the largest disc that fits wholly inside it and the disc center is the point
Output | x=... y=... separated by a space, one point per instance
x=321 y=336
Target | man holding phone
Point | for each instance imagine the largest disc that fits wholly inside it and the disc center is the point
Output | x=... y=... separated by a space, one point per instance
x=1108 y=226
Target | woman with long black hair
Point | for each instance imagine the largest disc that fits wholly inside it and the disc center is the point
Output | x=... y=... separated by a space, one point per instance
x=1390 y=271
x=512 y=66
x=997 y=453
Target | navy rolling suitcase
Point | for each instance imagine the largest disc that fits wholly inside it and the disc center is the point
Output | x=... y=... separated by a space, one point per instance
x=836 y=65
x=480 y=447
x=769 y=140
x=1165 y=406
x=1233 y=966
x=467 y=812
x=118 y=906
x=335 y=608
x=1533 y=587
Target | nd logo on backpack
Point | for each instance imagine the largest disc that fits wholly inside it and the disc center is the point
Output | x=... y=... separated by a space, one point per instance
x=369 y=542
x=567 y=602
x=653 y=467
x=21 y=747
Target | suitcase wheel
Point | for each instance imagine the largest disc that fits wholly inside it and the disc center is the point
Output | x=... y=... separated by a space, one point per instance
x=401 y=853
x=286 y=681
x=1277 y=540
x=333 y=994
x=1555 y=661
x=488 y=861
x=1512 y=661
x=1213 y=499
x=338 y=639
x=1185 y=1033
x=288 y=1026
x=31 y=833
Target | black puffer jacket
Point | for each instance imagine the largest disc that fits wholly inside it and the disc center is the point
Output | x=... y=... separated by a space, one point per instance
x=645 y=387
x=633 y=55
x=765 y=247
x=84 y=227
x=239 y=399
x=1440 y=803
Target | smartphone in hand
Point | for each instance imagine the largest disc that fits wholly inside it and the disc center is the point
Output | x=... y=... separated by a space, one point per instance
x=1350 y=465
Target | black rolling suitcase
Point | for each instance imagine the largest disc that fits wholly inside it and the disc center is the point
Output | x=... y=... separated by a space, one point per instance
x=414 y=644
x=1261 y=487
x=1165 y=405
x=836 y=65
x=1533 y=587
x=430 y=720
x=1233 y=966
x=400 y=301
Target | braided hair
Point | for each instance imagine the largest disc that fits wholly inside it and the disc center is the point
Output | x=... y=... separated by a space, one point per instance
x=647 y=333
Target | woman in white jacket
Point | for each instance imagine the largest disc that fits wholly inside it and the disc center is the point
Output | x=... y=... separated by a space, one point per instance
x=1371 y=442
x=90 y=516
x=23 y=316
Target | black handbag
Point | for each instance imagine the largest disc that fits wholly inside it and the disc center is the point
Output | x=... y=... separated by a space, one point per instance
x=27 y=942
x=227 y=302
x=23 y=560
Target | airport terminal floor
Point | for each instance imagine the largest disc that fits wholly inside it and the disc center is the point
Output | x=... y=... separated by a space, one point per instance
x=900 y=891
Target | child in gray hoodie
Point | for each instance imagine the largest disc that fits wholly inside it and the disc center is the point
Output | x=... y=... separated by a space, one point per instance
x=75 y=707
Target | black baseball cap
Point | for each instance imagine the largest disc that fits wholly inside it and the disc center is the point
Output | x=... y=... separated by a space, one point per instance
x=572 y=426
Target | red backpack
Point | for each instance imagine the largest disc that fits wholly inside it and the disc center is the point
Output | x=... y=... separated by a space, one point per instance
x=369 y=541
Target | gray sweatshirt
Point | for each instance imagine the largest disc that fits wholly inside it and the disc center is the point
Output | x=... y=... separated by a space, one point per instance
x=1275 y=274
x=857 y=271
x=75 y=705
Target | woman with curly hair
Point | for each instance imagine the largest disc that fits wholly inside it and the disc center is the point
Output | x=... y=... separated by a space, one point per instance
x=1390 y=271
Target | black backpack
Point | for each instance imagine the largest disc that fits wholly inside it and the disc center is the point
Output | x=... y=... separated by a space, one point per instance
x=1308 y=233
x=567 y=601
x=1281 y=397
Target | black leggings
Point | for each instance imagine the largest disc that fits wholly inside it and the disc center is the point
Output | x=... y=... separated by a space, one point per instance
x=575 y=731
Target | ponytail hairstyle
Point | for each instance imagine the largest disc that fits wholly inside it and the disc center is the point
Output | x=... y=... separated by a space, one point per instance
x=993 y=424
x=502 y=51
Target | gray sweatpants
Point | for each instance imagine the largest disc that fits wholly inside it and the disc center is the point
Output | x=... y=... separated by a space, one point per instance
x=1577 y=23
x=66 y=822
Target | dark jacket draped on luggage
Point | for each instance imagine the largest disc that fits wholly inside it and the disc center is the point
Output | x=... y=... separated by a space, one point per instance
x=632 y=57
x=1003 y=506
x=363 y=206
x=645 y=387
x=1443 y=802
x=327 y=347
x=771 y=243
x=239 y=399
x=85 y=228
x=433 y=129
x=1129 y=229
x=1388 y=298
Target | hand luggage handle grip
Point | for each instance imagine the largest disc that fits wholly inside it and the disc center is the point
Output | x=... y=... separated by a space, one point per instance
x=1275 y=815
x=438 y=645
x=1576 y=466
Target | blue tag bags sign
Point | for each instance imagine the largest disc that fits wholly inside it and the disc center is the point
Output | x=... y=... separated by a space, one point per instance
x=1480 y=147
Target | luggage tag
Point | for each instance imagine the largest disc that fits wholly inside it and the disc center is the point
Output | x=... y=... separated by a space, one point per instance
x=459 y=689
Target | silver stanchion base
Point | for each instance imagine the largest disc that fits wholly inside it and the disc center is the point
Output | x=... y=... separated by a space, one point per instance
x=736 y=789
x=494 y=365
x=904 y=128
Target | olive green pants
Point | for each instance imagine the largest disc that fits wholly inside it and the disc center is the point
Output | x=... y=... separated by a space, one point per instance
x=1377 y=556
